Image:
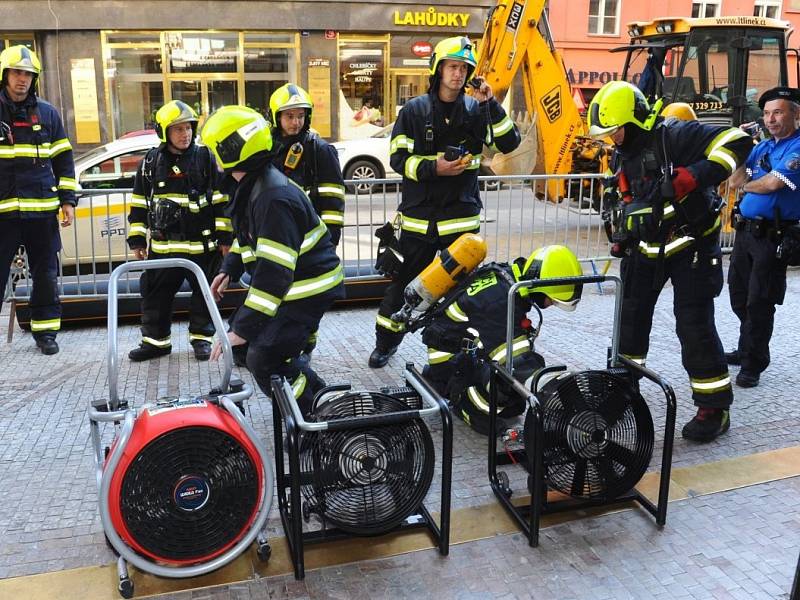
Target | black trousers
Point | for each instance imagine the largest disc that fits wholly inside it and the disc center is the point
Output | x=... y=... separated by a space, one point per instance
x=42 y=241
x=158 y=288
x=696 y=276
x=418 y=252
x=277 y=349
x=756 y=283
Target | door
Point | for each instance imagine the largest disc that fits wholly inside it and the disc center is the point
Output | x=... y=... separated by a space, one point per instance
x=404 y=85
x=205 y=94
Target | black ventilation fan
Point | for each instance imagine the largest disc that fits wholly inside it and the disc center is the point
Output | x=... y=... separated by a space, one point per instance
x=598 y=435
x=365 y=480
x=189 y=494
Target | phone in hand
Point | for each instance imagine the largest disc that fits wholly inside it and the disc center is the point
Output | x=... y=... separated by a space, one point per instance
x=475 y=82
x=453 y=153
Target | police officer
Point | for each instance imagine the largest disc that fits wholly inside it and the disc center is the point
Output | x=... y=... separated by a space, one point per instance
x=37 y=177
x=284 y=246
x=771 y=201
x=671 y=221
x=436 y=146
x=175 y=198
x=306 y=158
x=477 y=319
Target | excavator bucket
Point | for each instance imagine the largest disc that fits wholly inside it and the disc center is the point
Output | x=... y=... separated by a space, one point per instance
x=521 y=161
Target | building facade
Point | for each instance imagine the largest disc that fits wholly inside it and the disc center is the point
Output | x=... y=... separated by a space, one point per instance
x=108 y=66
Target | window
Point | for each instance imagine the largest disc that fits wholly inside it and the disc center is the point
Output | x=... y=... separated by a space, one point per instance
x=116 y=172
x=767 y=8
x=604 y=17
x=706 y=8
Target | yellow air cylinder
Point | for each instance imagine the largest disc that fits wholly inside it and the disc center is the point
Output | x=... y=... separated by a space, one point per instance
x=458 y=259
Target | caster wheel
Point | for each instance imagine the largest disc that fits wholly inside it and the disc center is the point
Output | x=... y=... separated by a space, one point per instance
x=264 y=552
x=505 y=487
x=125 y=588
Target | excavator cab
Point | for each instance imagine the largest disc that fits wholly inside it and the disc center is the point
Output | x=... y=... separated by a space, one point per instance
x=719 y=66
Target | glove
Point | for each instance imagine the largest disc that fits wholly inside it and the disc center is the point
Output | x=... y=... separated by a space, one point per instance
x=683 y=182
x=640 y=222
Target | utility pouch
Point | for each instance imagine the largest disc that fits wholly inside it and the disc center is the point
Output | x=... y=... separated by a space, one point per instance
x=165 y=218
x=788 y=251
x=389 y=260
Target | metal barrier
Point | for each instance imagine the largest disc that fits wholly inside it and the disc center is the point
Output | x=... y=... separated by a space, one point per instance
x=518 y=216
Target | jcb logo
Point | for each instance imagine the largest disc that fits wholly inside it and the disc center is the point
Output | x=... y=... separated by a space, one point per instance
x=551 y=103
x=514 y=17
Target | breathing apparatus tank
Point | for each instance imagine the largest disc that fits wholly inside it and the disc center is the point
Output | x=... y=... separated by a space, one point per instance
x=452 y=264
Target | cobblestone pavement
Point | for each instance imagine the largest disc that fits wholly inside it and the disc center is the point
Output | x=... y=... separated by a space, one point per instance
x=48 y=513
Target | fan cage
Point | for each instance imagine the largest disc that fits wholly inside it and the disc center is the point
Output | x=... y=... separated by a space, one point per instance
x=597 y=435
x=188 y=495
x=366 y=480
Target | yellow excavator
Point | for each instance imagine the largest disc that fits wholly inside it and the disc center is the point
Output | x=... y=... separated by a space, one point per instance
x=719 y=66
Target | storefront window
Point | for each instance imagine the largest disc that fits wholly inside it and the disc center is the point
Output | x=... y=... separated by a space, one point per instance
x=202 y=53
x=362 y=83
x=135 y=104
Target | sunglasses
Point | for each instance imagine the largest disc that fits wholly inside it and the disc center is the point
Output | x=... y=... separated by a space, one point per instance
x=764 y=163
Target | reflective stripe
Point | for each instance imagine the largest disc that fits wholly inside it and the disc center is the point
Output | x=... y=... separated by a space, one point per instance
x=332 y=217
x=710 y=385
x=639 y=360
x=504 y=126
x=219 y=198
x=299 y=385
x=519 y=345
x=474 y=163
x=331 y=190
x=414 y=225
x=9 y=204
x=38 y=204
x=262 y=301
x=477 y=399
x=199 y=336
x=387 y=323
x=317 y=285
x=458 y=225
x=185 y=247
x=277 y=253
x=139 y=201
x=412 y=163
x=401 y=141
x=674 y=246
x=135 y=229
x=436 y=357
x=455 y=313
x=67 y=183
x=47 y=325
x=167 y=341
x=312 y=237
x=223 y=224
x=716 y=152
x=60 y=146
x=44 y=150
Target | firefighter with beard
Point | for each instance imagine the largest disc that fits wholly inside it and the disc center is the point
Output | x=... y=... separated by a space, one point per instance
x=176 y=199
x=477 y=320
x=295 y=275
x=671 y=225
x=436 y=145
x=37 y=178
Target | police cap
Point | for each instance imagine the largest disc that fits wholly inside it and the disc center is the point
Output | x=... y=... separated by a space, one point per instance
x=779 y=93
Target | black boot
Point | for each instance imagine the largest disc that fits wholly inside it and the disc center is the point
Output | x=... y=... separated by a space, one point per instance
x=47 y=345
x=707 y=424
x=380 y=356
x=202 y=349
x=146 y=352
x=733 y=358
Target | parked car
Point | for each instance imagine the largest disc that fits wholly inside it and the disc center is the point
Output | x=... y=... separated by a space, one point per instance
x=366 y=158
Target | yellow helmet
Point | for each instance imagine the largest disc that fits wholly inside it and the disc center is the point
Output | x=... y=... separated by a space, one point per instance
x=173 y=113
x=235 y=133
x=552 y=262
x=618 y=103
x=454 y=48
x=22 y=58
x=290 y=96
x=679 y=110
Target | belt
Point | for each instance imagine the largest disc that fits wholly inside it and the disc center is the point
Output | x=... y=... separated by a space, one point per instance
x=760 y=226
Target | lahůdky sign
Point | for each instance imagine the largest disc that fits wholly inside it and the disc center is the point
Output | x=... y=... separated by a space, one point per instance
x=431 y=18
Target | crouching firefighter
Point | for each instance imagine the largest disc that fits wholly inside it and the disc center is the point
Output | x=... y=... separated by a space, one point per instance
x=468 y=329
x=295 y=275
x=176 y=198
x=668 y=229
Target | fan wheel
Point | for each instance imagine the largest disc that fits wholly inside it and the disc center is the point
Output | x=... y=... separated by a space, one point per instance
x=366 y=480
x=598 y=435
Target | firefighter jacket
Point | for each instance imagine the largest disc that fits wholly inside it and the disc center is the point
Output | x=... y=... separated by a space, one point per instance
x=37 y=174
x=283 y=245
x=479 y=313
x=710 y=153
x=176 y=198
x=420 y=136
x=318 y=172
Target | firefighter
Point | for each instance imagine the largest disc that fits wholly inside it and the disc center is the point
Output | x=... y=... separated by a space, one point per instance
x=37 y=177
x=436 y=145
x=670 y=227
x=308 y=160
x=176 y=199
x=295 y=275
x=472 y=330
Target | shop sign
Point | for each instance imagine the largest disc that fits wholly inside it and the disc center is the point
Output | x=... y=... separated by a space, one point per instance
x=598 y=78
x=330 y=34
x=422 y=49
x=431 y=18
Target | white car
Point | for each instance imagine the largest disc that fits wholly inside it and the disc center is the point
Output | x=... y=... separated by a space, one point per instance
x=366 y=158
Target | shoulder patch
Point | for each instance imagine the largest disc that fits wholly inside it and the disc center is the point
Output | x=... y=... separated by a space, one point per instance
x=793 y=162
